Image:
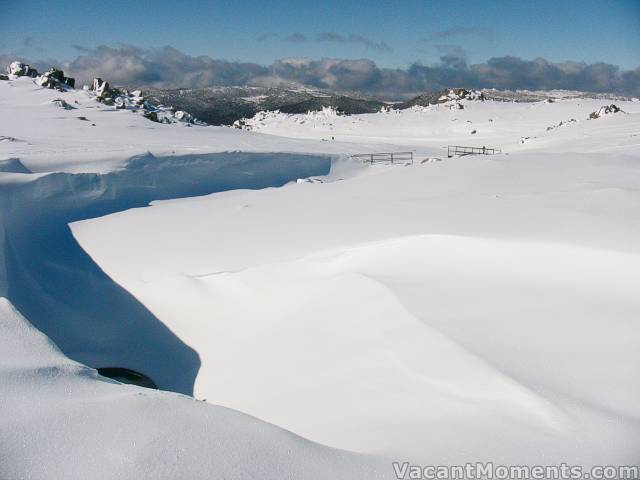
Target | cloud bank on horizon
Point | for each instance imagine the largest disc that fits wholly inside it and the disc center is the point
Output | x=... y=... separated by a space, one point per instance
x=168 y=67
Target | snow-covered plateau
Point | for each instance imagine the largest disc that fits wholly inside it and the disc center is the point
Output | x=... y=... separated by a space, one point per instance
x=306 y=314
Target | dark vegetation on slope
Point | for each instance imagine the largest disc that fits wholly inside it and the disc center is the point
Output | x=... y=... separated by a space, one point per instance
x=225 y=105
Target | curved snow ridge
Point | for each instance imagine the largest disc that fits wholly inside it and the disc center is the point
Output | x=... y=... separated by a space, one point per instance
x=13 y=165
x=530 y=270
x=477 y=379
x=59 y=288
x=393 y=347
x=66 y=422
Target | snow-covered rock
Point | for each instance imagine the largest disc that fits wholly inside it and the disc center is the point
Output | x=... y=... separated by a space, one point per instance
x=61 y=103
x=99 y=86
x=20 y=69
x=167 y=115
x=183 y=117
x=137 y=99
x=604 y=110
x=457 y=94
x=122 y=99
x=54 y=78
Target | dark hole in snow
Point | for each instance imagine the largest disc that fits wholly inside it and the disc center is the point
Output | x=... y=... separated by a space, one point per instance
x=124 y=375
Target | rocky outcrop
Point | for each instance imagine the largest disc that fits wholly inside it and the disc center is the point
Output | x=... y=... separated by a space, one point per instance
x=121 y=99
x=103 y=93
x=605 y=110
x=99 y=86
x=184 y=117
x=62 y=104
x=161 y=114
x=455 y=94
x=20 y=69
x=136 y=98
x=448 y=95
x=55 y=78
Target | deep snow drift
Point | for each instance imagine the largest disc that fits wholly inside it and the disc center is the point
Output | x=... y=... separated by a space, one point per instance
x=60 y=420
x=52 y=281
x=58 y=417
x=453 y=310
x=475 y=308
x=459 y=310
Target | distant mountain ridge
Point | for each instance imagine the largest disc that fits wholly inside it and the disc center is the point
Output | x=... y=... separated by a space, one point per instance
x=226 y=105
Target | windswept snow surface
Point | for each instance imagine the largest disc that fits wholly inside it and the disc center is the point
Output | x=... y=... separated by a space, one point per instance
x=58 y=418
x=61 y=420
x=449 y=311
x=93 y=137
x=458 y=310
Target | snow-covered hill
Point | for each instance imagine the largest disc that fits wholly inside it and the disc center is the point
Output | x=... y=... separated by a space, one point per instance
x=448 y=311
x=512 y=127
x=226 y=105
x=58 y=418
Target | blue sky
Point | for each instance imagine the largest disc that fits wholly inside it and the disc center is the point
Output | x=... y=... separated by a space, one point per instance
x=393 y=34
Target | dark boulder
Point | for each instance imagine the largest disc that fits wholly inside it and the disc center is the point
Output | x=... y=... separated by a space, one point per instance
x=103 y=91
x=153 y=116
x=55 y=78
x=20 y=69
x=99 y=85
x=62 y=104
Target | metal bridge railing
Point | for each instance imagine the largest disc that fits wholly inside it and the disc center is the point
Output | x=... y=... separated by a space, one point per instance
x=453 y=150
x=392 y=157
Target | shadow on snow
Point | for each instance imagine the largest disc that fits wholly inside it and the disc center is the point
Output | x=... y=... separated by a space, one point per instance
x=66 y=295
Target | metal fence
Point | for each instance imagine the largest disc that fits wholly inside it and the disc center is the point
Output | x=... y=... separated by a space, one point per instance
x=453 y=150
x=391 y=157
